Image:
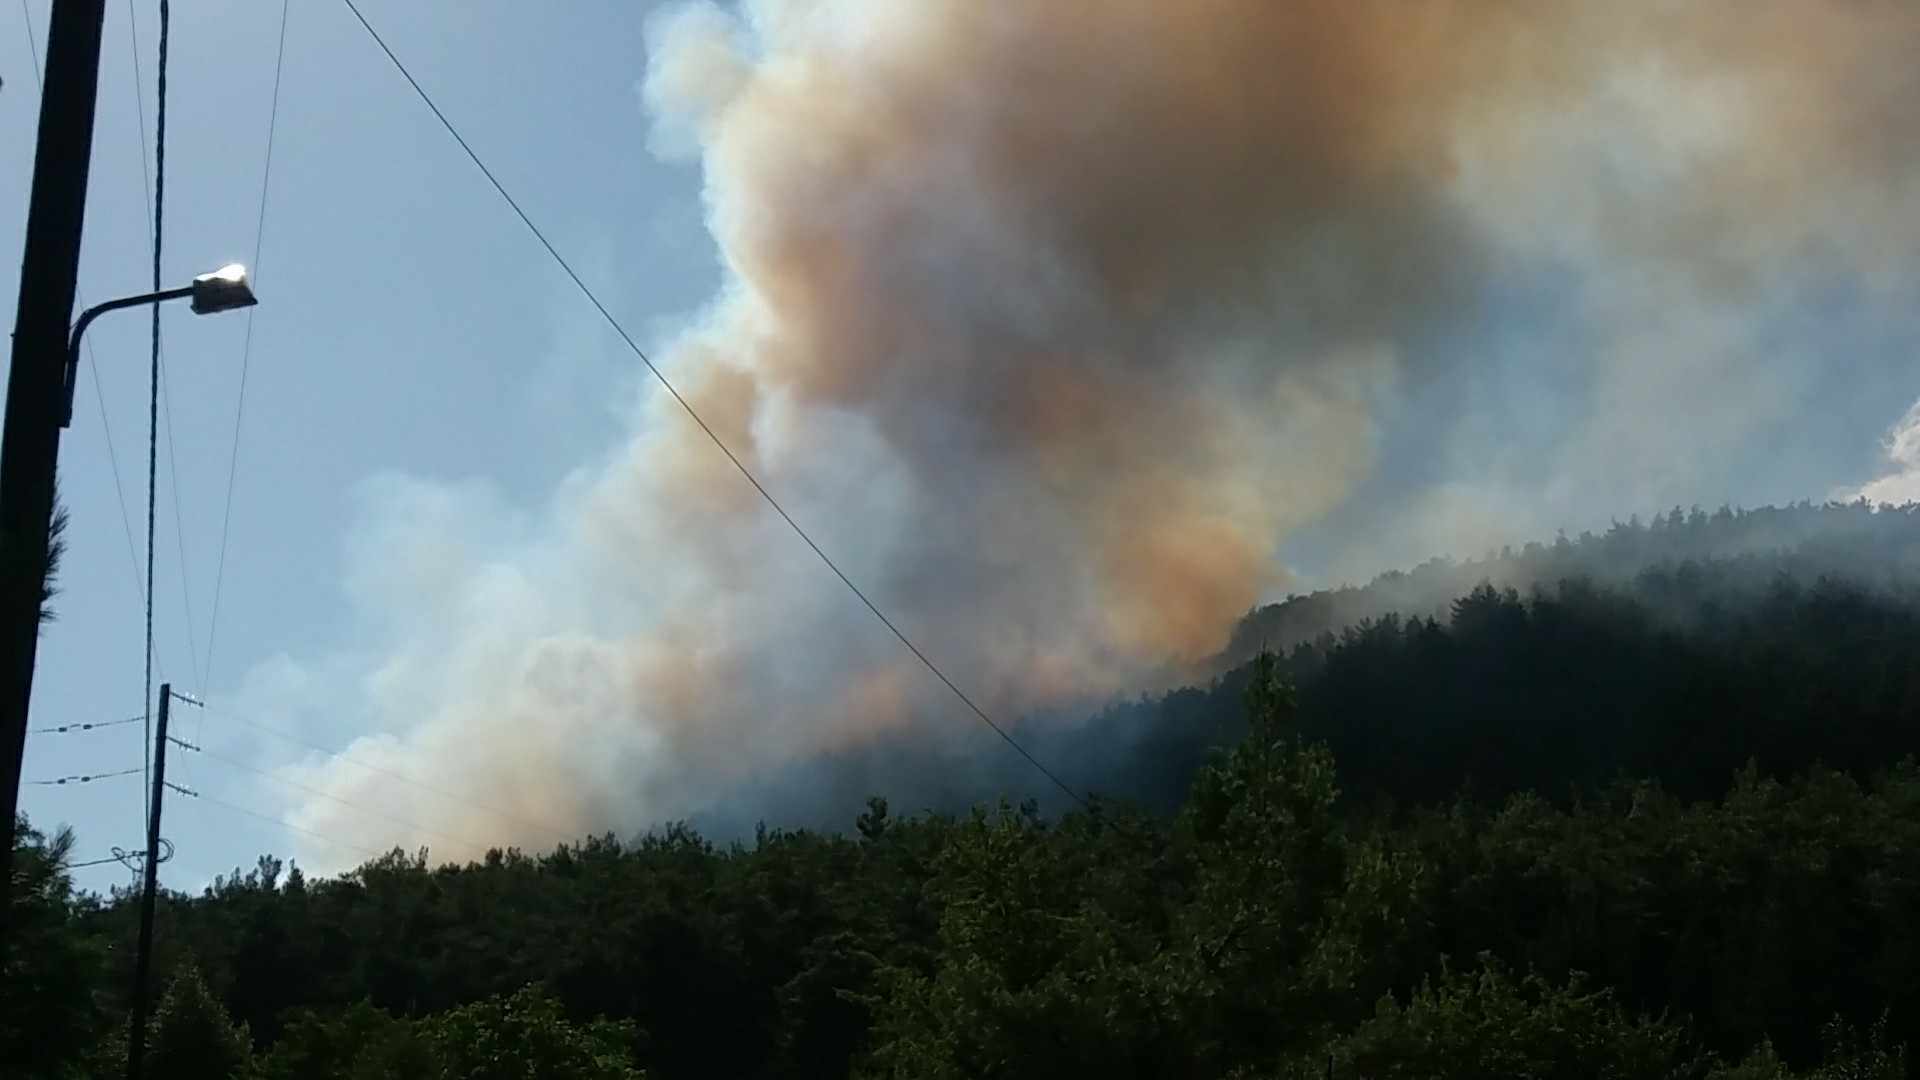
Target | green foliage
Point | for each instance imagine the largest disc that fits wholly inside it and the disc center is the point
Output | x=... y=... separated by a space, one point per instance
x=522 y=1036
x=1269 y=857
x=1682 y=676
x=1045 y=961
x=1265 y=928
x=1849 y=1056
x=526 y=1037
x=48 y=970
x=191 y=1037
x=1486 y=1025
x=1101 y=947
x=1732 y=553
x=359 y=1042
x=56 y=550
x=1737 y=908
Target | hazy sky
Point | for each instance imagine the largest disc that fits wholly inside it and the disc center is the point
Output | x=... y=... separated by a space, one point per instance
x=407 y=323
x=426 y=388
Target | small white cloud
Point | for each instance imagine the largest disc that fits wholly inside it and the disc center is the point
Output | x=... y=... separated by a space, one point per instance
x=1902 y=485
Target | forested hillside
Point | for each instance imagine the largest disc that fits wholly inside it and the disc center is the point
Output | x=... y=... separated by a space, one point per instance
x=1682 y=676
x=1602 y=611
x=1865 y=544
x=1678 y=649
x=1635 y=805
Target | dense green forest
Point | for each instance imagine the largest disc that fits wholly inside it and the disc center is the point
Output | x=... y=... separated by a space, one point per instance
x=1650 y=811
x=1685 y=674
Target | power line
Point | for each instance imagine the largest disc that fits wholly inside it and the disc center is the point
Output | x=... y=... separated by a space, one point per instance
x=113 y=461
x=348 y=803
x=246 y=347
x=92 y=862
x=84 y=778
x=153 y=190
x=128 y=859
x=153 y=399
x=180 y=539
x=238 y=809
x=563 y=834
x=65 y=728
x=712 y=435
x=33 y=46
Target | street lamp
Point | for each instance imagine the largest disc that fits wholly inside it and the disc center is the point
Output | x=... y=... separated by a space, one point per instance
x=224 y=289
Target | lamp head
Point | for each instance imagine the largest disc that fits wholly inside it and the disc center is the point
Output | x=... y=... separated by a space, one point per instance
x=222 y=290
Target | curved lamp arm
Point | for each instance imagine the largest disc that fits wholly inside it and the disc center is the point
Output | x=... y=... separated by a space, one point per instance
x=86 y=319
x=225 y=289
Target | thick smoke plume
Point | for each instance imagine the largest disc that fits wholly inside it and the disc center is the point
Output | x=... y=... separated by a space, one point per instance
x=1052 y=321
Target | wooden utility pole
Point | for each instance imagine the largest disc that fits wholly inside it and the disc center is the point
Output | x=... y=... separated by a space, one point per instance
x=30 y=442
x=143 y=957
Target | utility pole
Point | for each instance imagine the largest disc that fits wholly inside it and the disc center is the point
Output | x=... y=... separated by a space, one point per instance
x=143 y=957
x=30 y=442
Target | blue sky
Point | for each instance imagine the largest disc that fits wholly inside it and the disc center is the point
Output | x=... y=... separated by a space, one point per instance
x=407 y=323
x=448 y=465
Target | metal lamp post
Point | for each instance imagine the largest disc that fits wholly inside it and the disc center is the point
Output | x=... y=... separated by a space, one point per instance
x=26 y=501
x=224 y=289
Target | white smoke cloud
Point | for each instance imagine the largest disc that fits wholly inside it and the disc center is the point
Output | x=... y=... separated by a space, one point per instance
x=1901 y=484
x=1053 y=321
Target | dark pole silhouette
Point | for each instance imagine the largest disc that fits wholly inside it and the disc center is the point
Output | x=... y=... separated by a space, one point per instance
x=36 y=406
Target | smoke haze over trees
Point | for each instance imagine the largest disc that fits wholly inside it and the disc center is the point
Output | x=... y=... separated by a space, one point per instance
x=1658 y=815
x=1578 y=632
x=1109 y=350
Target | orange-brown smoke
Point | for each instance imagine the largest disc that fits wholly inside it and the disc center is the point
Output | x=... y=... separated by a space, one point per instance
x=1050 y=319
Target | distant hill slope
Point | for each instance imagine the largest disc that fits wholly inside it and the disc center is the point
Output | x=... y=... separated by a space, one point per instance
x=1805 y=541
x=1679 y=678
x=1674 y=650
